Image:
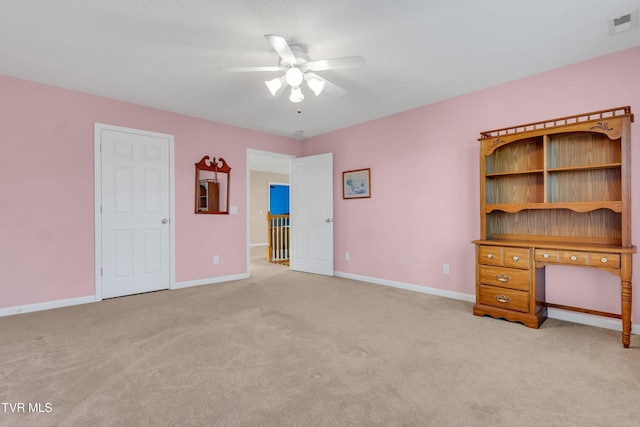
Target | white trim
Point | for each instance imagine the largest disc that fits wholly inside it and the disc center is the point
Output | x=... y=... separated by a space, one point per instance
x=259 y=244
x=569 y=316
x=172 y=212
x=97 y=203
x=589 y=320
x=213 y=280
x=97 y=193
x=407 y=286
x=48 y=305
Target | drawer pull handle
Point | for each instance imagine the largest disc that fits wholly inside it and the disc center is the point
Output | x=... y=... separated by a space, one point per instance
x=502 y=277
x=516 y=258
x=573 y=257
x=490 y=256
x=545 y=255
x=503 y=298
x=603 y=260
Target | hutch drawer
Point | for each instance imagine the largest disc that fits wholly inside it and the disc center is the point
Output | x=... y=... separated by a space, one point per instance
x=504 y=277
x=508 y=299
x=516 y=258
x=490 y=255
x=573 y=257
x=504 y=256
x=604 y=260
x=547 y=255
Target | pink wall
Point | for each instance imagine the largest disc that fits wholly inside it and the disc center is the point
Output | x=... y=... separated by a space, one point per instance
x=424 y=209
x=46 y=190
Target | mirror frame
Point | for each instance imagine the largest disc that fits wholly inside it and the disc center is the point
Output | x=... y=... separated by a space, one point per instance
x=217 y=166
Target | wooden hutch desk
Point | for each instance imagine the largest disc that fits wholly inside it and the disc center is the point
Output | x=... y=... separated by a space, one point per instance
x=553 y=193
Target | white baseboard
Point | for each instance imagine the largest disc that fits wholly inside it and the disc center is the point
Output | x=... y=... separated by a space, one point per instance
x=201 y=282
x=409 y=287
x=591 y=320
x=49 y=305
x=553 y=313
x=258 y=244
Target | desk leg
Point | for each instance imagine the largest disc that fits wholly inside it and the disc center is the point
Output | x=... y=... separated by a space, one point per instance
x=626 y=314
x=625 y=281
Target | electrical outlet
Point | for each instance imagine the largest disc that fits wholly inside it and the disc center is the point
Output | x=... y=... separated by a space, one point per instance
x=346 y=256
x=445 y=269
x=216 y=259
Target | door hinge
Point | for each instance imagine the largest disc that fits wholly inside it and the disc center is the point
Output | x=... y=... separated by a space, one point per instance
x=101 y=273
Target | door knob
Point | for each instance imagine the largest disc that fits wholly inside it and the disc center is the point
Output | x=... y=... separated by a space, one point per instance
x=165 y=220
x=328 y=220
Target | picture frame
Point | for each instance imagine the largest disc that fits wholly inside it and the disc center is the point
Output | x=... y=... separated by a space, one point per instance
x=356 y=184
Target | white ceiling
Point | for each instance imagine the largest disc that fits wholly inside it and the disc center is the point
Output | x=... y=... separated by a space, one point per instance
x=165 y=53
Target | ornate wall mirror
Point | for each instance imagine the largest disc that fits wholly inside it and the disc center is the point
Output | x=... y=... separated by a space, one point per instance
x=212 y=186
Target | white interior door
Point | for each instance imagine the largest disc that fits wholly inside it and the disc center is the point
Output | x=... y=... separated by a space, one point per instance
x=312 y=214
x=135 y=250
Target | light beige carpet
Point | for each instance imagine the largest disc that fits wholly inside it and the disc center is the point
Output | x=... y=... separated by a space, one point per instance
x=293 y=349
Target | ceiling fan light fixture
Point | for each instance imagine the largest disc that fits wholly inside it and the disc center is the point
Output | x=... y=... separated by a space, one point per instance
x=316 y=85
x=296 y=95
x=294 y=76
x=273 y=85
x=297 y=67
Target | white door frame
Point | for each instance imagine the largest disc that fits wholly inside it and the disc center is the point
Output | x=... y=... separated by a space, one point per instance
x=97 y=167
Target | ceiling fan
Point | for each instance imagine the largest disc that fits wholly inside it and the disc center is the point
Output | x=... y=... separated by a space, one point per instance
x=298 y=68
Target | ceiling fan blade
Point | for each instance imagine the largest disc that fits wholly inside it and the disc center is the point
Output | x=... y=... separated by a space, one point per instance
x=330 y=88
x=245 y=69
x=282 y=48
x=336 y=63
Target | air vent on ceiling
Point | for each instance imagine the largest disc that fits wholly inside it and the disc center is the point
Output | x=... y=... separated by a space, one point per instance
x=623 y=23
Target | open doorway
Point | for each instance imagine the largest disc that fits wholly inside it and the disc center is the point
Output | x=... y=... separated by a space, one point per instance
x=311 y=225
x=264 y=169
x=279 y=224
